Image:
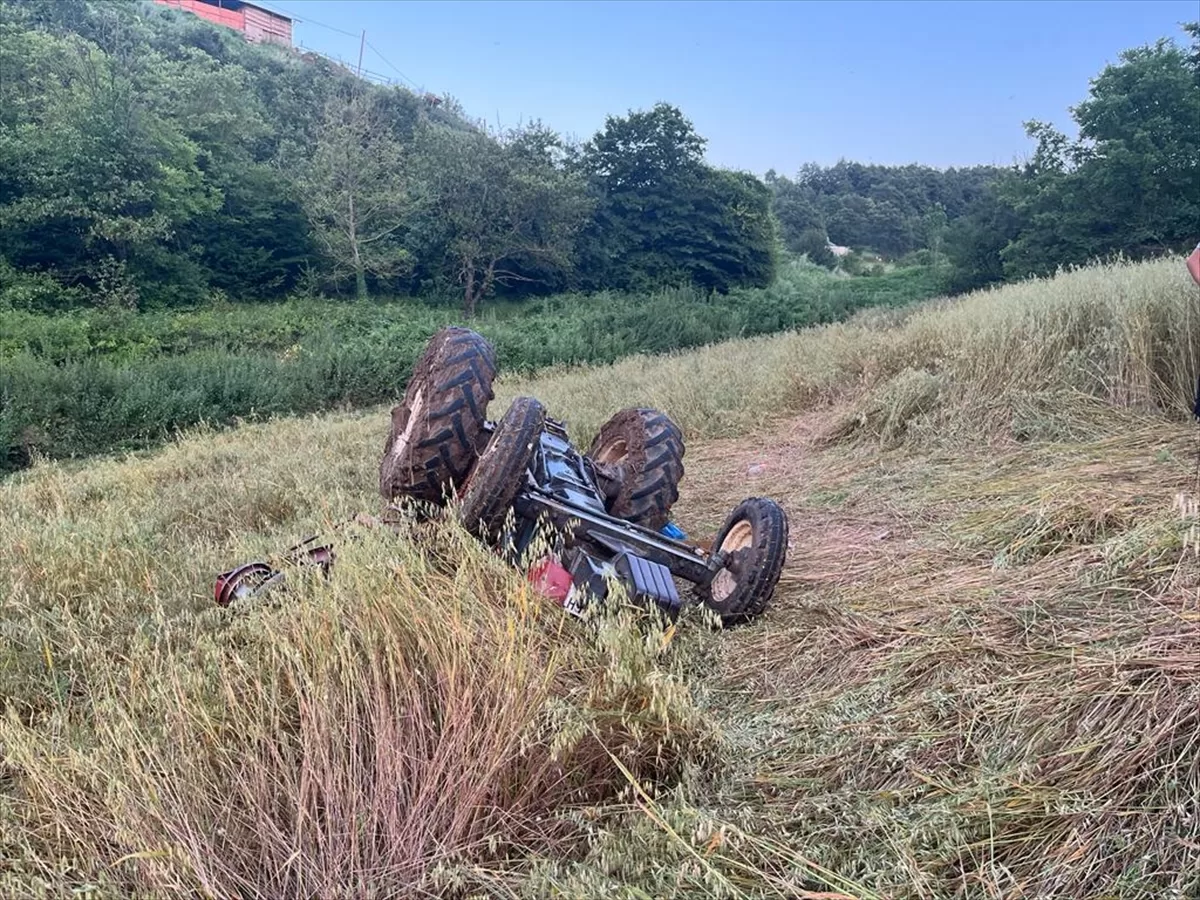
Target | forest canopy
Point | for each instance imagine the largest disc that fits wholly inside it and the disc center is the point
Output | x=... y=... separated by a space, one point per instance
x=150 y=159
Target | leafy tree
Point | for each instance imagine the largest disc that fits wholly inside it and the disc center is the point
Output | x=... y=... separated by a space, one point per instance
x=974 y=242
x=93 y=171
x=932 y=228
x=733 y=235
x=663 y=216
x=795 y=212
x=814 y=243
x=884 y=208
x=354 y=190
x=1193 y=29
x=1130 y=184
x=503 y=208
x=642 y=169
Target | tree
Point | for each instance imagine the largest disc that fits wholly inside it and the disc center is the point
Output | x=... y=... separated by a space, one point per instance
x=932 y=228
x=502 y=207
x=814 y=244
x=663 y=216
x=642 y=170
x=794 y=209
x=353 y=189
x=974 y=242
x=733 y=238
x=1130 y=184
x=890 y=209
x=95 y=179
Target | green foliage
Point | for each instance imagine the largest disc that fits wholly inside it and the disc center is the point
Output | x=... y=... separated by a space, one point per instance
x=890 y=209
x=95 y=176
x=353 y=189
x=975 y=241
x=796 y=214
x=87 y=382
x=1130 y=185
x=814 y=243
x=34 y=291
x=503 y=209
x=147 y=157
x=663 y=217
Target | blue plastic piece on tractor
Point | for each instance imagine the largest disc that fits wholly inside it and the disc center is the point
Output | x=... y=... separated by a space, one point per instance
x=673 y=531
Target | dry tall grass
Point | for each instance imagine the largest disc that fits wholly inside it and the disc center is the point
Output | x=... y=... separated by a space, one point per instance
x=418 y=713
x=979 y=677
x=1001 y=361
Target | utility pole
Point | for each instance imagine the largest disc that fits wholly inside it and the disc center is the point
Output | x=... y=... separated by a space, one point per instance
x=361 y=45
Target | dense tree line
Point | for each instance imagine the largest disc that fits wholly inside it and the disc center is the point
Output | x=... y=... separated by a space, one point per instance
x=891 y=210
x=1128 y=185
x=151 y=159
x=148 y=158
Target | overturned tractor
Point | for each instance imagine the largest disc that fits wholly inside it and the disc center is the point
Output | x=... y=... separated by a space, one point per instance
x=604 y=514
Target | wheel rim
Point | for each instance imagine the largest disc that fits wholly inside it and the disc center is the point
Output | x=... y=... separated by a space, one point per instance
x=739 y=537
x=613 y=453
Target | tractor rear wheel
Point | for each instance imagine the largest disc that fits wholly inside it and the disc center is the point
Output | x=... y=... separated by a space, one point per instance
x=500 y=472
x=436 y=429
x=638 y=455
x=754 y=541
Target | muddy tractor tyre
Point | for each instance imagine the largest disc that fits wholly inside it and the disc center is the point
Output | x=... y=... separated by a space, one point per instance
x=639 y=459
x=501 y=470
x=436 y=429
x=754 y=540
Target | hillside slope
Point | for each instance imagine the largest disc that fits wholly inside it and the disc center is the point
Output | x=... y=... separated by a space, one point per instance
x=980 y=675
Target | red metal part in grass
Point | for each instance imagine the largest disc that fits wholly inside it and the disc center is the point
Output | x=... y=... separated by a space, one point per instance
x=254 y=578
x=551 y=580
x=322 y=556
x=244 y=581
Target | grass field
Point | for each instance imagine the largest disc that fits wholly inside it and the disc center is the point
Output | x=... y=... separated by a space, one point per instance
x=980 y=676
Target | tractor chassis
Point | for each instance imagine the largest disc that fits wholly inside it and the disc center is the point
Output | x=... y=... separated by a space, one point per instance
x=564 y=489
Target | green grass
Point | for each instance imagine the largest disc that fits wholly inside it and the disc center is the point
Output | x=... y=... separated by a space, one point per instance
x=83 y=383
x=978 y=677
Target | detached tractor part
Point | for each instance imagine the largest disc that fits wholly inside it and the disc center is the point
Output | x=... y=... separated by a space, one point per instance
x=437 y=429
x=256 y=578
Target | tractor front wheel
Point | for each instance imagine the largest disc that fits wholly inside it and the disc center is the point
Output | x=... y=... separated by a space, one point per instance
x=754 y=543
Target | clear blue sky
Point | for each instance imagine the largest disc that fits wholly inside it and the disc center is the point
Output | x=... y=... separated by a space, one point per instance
x=769 y=84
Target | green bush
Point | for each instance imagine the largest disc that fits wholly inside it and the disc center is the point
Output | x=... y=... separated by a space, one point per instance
x=101 y=380
x=34 y=291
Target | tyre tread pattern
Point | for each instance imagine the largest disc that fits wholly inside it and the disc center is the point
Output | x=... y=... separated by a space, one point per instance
x=501 y=469
x=454 y=379
x=649 y=478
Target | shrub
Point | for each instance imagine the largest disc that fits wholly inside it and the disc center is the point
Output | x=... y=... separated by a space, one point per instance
x=92 y=381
